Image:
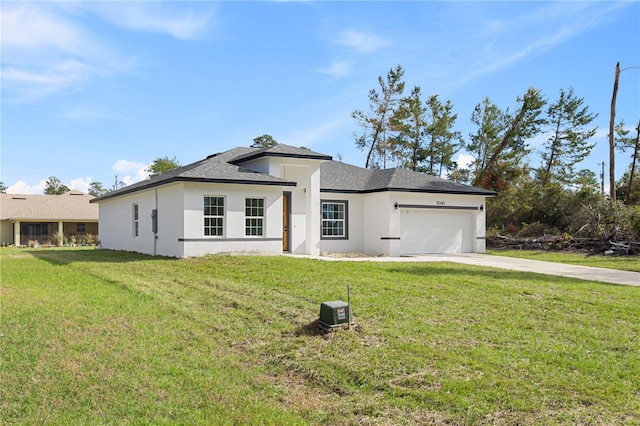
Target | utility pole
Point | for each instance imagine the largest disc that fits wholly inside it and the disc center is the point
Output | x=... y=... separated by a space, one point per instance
x=116 y=184
x=612 y=159
x=612 y=152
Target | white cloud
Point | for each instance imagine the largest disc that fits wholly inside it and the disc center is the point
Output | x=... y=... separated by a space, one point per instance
x=47 y=48
x=22 y=187
x=45 y=52
x=81 y=184
x=337 y=69
x=130 y=171
x=499 y=43
x=464 y=160
x=183 y=24
x=364 y=42
x=29 y=26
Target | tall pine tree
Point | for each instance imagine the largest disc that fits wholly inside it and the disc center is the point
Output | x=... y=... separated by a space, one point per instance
x=378 y=136
x=569 y=141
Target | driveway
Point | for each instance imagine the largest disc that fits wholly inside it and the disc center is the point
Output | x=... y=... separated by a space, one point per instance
x=611 y=276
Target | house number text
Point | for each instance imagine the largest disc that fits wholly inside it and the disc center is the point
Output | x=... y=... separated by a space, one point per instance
x=439 y=203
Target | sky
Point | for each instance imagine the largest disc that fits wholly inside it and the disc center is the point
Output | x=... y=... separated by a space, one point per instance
x=94 y=90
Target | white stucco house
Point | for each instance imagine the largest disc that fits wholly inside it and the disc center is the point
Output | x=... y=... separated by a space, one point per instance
x=287 y=199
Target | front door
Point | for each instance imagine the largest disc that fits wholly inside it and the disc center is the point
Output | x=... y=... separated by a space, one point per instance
x=286 y=213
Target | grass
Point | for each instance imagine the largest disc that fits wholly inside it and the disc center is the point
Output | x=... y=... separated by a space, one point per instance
x=625 y=263
x=95 y=336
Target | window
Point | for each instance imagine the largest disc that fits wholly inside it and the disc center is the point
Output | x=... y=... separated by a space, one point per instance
x=334 y=219
x=254 y=217
x=80 y=227
x=136 y=223
x=213 y=216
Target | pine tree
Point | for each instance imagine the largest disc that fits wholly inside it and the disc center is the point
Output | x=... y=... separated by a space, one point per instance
x=378 y=136
x=569 y=141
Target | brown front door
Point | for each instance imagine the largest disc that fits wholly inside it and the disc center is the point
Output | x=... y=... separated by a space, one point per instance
x=286 y=212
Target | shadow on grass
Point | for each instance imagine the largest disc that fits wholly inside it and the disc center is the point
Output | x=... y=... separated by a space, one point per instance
x=311 y=329
x=65 y=256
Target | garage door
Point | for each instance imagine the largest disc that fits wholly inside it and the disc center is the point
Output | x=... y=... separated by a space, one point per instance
x=436 y=231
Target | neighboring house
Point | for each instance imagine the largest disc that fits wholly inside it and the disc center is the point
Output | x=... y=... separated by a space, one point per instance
x=286 y=199
x=25 y=218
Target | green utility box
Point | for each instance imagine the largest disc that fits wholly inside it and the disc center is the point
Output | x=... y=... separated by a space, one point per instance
x=334 y=314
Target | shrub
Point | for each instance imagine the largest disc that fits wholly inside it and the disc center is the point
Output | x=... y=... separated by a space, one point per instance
x=57 y=238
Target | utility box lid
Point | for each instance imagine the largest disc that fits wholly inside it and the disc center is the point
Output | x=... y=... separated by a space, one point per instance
x=334 y=314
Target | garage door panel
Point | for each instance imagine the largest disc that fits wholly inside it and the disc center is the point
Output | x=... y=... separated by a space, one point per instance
x=441 y=231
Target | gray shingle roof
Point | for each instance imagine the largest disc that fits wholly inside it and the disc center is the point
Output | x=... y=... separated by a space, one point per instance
x=226 y=167
x=70 y=206
x=341 y=177
x=280 y=150
x=215 y=168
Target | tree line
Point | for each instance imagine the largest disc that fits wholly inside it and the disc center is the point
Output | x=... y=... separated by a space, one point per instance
x=555 y=196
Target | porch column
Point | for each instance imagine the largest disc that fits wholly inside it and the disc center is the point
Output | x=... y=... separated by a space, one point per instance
x=16 y=233
x=61 y=231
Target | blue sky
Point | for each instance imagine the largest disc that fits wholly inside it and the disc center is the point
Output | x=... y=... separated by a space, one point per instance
x=95 y=89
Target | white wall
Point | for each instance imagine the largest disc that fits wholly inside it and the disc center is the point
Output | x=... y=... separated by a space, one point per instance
x=375 y=223
x=234 y=240
x=355 y=225
x=170 y=220
x=116 y=222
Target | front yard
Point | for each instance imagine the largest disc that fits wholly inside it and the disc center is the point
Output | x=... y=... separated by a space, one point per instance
x=96 y=336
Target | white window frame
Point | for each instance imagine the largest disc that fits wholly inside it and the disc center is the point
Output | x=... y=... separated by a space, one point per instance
x=252 y=219
x=135 y=215
x=325 y=221
x=216 y=217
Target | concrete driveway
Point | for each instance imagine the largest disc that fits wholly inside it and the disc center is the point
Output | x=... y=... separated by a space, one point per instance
x=611 y=276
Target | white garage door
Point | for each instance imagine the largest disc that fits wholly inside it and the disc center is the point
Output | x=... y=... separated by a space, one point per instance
x=436 y=231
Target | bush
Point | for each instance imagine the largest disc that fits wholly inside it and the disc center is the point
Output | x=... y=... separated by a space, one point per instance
x=57 y=238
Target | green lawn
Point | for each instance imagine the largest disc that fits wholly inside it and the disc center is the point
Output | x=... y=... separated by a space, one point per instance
x=625 y=263
x=102 y=337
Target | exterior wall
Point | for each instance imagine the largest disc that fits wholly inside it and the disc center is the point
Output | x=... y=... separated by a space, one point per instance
x=304 y=228
x=170 y=206
x=355 y=225
x=375 y=226
x=234 y=239
x=379 y=235
x=116 y=222
x=71 y=228
x=6 y=232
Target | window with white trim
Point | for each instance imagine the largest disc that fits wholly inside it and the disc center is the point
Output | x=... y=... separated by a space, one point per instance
x=213 y=216
x=334 y=219
x=254 y=217
x=136 y=220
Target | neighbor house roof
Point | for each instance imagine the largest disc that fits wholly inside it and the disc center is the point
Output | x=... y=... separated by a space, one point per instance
x=70 y=206
x=226 y=167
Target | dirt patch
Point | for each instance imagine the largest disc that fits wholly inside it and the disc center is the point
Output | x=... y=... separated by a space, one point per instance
x=352 y=255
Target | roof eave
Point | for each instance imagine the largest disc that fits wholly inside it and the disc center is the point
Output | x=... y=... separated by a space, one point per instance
x=124 y=191
x=255 y=156
x=415 y=190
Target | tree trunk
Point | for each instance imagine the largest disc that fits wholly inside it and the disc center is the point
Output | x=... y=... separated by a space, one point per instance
x=636 y=150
